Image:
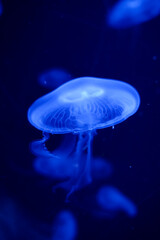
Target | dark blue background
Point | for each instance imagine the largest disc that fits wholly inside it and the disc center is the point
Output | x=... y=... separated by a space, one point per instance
x=36 y=35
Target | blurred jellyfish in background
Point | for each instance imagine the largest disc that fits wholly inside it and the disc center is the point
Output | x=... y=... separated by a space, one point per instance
x=53 y=78
x=59 y=164
x=100 y=168
x=56 y=164
x=63 y=168
x=64 y=227
x=128 y=13
x=80 y=107
x=18 y=223
x=111 y=200
x=1 y=8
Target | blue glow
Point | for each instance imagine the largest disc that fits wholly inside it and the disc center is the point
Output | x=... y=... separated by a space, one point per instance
x=1 y=8
x=68 y=162
x=100 y=168
x=112 y=200
x=65 y=226
x=78 y=107
x=53 y=78
x=84 y=104
x=55 y=167
x=57 y=164
x=127 y=13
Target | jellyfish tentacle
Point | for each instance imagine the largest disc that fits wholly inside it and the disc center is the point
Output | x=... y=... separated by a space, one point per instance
x=83 y=165
x=85 y=177
x=67 y=146
x=58 y=164
x=79 y=162
x=38 y=147
x=89 y=156
x=78 y=165
x=82 y=175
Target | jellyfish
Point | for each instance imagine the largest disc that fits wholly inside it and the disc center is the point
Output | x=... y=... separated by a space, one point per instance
x=65 y=226
x=112 y=200
x=128 y=13
x=53 y=78
x=80 y=107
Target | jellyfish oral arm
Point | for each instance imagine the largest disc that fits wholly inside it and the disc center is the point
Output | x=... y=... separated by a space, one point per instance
x=82 y=174
x=89 y=156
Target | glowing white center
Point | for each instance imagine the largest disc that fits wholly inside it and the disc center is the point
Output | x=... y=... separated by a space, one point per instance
x=82 y=94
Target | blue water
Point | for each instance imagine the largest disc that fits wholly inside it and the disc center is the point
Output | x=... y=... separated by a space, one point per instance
x=41 y=195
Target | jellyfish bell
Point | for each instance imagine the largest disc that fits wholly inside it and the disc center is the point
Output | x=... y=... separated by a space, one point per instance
x=84 y=104
x=81 y=106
